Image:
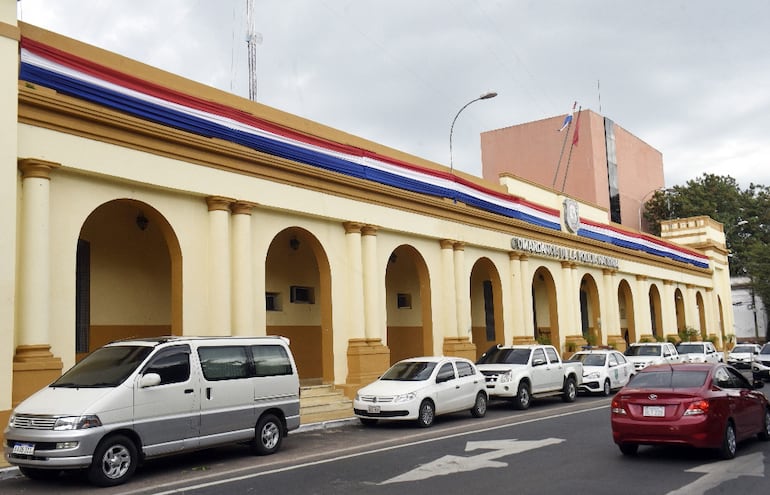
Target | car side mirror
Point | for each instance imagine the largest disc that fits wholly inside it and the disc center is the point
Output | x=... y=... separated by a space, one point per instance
x=442 y=379
x=538 y=362
x=758 y=384
x=149 y=380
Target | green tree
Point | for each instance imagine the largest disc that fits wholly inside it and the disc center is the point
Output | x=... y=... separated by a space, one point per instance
x=744 y=214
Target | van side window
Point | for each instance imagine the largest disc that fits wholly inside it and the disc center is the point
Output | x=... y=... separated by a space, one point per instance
x=271 y=360
x=224 y=362
x=173 y=365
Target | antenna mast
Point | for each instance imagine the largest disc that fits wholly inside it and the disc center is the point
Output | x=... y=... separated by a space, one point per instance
x=252 y=40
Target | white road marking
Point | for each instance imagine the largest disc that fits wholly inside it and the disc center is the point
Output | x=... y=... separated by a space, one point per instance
x=717 y=473
x=450 y=464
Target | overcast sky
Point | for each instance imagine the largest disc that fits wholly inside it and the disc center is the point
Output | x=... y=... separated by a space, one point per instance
x=690 y=78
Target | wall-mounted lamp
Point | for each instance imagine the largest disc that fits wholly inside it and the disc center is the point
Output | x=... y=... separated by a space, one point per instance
x=141 y=221
x=294 y=243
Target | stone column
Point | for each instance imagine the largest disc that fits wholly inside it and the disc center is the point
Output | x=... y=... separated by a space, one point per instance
x=569 y=308
x=242 y=270
x=220 y=316
x=611 y=317
x=516 y=299
x=642 y=314
x=668 y=308
x=457 y=329
x=691 y=319
x=368 y=358
x=34 y=365
x=528 y=327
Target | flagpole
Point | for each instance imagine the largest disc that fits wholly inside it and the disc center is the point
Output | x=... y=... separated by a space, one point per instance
x=561 y=154
x=569 y=157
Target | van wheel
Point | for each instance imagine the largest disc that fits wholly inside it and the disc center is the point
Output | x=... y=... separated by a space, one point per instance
x=39 y=474
x=114 y=461
x=268 y=435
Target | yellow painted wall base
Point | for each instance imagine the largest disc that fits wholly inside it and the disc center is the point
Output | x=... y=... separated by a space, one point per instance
x=367 y=359
x=616 y=342
x=460 y=347
x=306 y=345
x=523 y=340
x=34 y=367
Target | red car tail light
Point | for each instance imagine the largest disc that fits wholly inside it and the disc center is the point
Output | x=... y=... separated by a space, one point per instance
x=697 y=408
x=616 y=408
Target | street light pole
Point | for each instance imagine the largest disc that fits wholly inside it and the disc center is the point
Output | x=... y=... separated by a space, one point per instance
x=485 y=96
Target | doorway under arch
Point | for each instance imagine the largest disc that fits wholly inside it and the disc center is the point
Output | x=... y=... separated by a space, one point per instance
x=545 y=310
x=486 y=306
x=590 y=311
x=128 y=276
x=656 y=313
x=408 y=306
x=298 y=301
x=626 y=313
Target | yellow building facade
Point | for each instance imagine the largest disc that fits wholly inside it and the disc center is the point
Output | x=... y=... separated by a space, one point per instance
x=139 y=203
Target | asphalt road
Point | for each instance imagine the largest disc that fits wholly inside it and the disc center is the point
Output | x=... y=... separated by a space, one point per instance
x=551 y=448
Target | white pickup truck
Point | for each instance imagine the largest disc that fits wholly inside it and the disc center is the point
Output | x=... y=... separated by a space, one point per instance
x=522 y=372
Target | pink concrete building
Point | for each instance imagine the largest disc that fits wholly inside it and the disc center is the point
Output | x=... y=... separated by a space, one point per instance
x=606 y=165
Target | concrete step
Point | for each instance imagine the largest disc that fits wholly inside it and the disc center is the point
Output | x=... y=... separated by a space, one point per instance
x=323 y=403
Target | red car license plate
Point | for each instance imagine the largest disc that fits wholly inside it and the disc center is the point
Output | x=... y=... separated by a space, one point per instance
x=654 y=411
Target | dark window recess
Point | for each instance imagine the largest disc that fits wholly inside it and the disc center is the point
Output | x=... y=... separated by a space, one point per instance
x=612 y=170
x=302 y=295
x=404 y=301
x=273 y=301
x=489 y=310
x=83 y=296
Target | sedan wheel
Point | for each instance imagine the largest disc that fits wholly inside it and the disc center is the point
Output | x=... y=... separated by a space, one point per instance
x=607 y=390
x=479 y=409
x=729 y=443
x=426 y=414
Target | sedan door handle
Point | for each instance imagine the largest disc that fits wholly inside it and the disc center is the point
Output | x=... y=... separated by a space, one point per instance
x=188 y=390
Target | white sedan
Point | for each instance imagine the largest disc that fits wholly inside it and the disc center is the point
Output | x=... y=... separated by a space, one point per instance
x=604 y=370
x=421 y=389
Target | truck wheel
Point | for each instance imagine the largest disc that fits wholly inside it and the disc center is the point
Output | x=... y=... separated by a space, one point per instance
x=268 y=435
x=479 y=409
x=523 y=397
x=114 y=461
x=570 y=390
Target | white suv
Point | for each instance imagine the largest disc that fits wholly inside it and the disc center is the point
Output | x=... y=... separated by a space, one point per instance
x=742 y=355
x=644 y=354
x=699 y=352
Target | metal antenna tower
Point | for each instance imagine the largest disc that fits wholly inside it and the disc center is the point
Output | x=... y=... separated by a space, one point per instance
x=252 y=40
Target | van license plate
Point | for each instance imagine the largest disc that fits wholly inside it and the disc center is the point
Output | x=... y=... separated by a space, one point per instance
x=654 y=411
x=24 y=448
x=374 y=409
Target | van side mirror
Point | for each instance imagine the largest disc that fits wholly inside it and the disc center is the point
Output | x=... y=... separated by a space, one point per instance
x=149 y=380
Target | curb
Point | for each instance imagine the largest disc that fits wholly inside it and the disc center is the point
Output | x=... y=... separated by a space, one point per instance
x=9 y=473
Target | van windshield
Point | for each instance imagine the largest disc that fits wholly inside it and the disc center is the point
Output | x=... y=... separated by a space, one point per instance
x=105 y=367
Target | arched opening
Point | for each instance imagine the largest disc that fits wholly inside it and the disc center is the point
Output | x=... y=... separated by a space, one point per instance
x=590 y=322
x=544 y=308
x=656 y=314
x=626 y=313
x=409 y=320
x=486 y=306
x=681 y=325
x=701 y=315
x=298 y=301
x=128 y=276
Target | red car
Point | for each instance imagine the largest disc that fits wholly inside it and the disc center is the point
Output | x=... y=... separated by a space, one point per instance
x=709 y=405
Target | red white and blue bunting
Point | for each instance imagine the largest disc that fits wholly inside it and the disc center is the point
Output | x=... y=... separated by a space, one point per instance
x=74 y=76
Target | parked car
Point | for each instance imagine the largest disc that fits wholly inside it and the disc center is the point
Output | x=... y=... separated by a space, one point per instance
x=603 y=370
x=742 y=355
x=644 y=354
x=422 y=388
x=699 y=352
x=521 y=372
x=701 y=405
x=760 y=367
x=136 y=399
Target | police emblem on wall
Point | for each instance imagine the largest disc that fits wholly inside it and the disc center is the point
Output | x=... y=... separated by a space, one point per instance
x=571 y=215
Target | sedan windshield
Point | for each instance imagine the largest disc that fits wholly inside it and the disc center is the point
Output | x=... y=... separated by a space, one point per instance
x=690 y=348
x=643 y=350
x=410 y=371
x=105 y=367
x=669 y=379
x=499 y=355
x=590 y=359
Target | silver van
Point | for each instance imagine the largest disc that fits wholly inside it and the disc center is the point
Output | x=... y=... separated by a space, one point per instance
x=137 y=399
